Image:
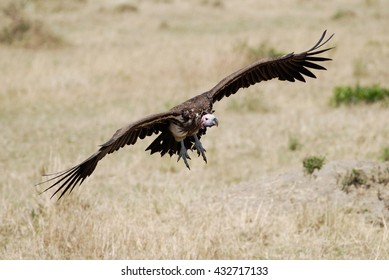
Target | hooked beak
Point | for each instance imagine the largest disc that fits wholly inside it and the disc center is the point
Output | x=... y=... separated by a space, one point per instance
x=215 y=122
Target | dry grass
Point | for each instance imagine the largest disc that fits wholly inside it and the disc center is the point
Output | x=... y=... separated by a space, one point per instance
x=57 y=105
x=20 y=30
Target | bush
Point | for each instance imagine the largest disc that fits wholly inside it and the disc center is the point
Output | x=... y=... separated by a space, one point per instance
x=348 y=95
x=312 y=163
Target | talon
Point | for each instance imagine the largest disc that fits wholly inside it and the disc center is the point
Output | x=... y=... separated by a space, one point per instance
x=186 y=163
x=184 y=154
x=199 y=148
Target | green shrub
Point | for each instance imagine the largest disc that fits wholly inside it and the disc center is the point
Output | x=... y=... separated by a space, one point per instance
x=312 y=163
x=294 y=144
x=385 y=154
x=348 y=95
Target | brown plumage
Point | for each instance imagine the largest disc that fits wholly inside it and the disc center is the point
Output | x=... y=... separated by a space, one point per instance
x=181 y=127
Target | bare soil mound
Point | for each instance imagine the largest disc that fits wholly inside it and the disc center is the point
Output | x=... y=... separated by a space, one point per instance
x=354 y=186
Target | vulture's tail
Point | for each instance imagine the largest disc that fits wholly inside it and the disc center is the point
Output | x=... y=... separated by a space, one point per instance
x=166 y=144
x=163 y=144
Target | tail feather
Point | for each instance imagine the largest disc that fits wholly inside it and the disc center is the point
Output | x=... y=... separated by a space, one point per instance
x=166 y=144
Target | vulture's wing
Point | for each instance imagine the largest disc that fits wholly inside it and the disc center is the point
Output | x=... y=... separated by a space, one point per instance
x=288 y=67
x=66 y=180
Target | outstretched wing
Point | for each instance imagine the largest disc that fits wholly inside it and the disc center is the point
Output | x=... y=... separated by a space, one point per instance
x=66 y=180
x=288 y=67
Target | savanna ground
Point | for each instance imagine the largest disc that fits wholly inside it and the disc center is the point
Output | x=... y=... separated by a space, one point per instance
x=72 y=72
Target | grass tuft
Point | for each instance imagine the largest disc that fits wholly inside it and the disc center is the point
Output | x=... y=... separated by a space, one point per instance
x=385 y=154
x=381 y=177
x=355 y=177
x=359 y=179
x=164 y=25
x=343 y=14
x=348 y=95
x=312 y=163
x=294 y=144
x=126 y=8
x=213 y=3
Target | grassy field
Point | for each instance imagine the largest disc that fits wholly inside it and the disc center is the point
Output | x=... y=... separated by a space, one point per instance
x=72 y=72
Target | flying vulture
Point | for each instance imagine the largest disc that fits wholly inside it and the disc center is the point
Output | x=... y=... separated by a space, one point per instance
x=181 y=128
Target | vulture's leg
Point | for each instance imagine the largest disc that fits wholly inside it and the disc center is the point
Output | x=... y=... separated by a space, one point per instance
x=199 y=148
x=184 y=154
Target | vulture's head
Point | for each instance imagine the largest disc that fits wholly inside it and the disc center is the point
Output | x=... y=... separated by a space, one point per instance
x=209 y=120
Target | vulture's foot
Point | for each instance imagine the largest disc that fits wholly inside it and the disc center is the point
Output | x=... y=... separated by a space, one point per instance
x=199 y=148
x=184 y=154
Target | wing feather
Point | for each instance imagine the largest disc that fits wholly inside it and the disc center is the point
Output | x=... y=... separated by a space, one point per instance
x=289 y=67
x=67 y=180
x=313 y=65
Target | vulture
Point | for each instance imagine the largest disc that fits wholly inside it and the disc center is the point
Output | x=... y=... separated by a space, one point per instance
x=181 y=128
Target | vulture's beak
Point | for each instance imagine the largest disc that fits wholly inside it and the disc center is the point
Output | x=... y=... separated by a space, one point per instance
x=215 y=122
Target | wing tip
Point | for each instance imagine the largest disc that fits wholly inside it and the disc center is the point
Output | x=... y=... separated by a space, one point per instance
x=320 y=43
